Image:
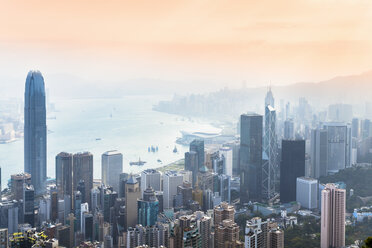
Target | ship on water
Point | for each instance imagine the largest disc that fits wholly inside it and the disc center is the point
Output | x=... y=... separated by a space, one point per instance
x=139 y=162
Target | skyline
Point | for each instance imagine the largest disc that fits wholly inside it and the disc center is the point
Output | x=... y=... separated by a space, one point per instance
x=212 y=43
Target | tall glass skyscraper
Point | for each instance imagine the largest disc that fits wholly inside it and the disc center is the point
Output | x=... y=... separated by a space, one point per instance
x=250 y=157
x=35 y=131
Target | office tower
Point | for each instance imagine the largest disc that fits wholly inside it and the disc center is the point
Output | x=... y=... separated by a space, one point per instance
x=54 y=204
x=222 y=212
x=84 y=208
x=64 y=174
x=185 y=190
x=152 y=178
x=289 y=129
x=198 y=147
x=250 y=157
x=270 y=149
x=319 y=153
x=94 y=193
x=160 y=196
x=148 y=208
x=227 y=235
x=83 y=170
x=292 y=166
x=171 y=180
x=307 y=192
x=340 y=112
x=9 y=212
x=77 y=210
x=275 y=238
x=132 y=194
x=28 y=204
x=339 y=146
x=109 y=199
x=81 y=188
x=333 y=217
x=16 y=184
x=63 y=236
x=365 y=131
x=235 y=147
x=226 y=154
x=4 y=238
x=191 y=164
x=223 y=186
x=112 y=167
x=108 y=242
x=355 y=131
x=35 y=131
x=87 y=226
x=122 y=181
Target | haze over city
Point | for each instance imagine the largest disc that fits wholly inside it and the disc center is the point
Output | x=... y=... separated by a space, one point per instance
x=186 y=124
x=211 y=44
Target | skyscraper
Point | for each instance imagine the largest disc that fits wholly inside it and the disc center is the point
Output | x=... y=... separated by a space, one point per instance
x=150 y=178
x=28 y=204
x=132 y=194
x=307 y=192
x=269 y=167
x=191 y=164
x=339 y=146
x=292 y=166
x=83 y=170
x=198 y=147
x=148 y=208
x=171 y=180
x=289 y=129
x=333 y=217
x=35 y=131
x=64 y=174
x=250 y=157
x=319 y=153
x=112 y=167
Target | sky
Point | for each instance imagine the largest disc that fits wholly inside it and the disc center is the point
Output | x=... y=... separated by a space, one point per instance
x=194 y=43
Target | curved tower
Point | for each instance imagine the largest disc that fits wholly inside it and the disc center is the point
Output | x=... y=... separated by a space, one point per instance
x=35 y=130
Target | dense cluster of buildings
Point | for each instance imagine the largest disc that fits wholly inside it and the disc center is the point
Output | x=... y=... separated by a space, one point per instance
x=273 y=165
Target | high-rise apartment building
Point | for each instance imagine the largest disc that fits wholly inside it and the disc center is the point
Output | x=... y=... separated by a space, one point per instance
x=292 y=166
x=112 y=167
x=222 y=212
x=250 y=157
x=227 y=235
x=35 y=131
x=333 y=217
x=256 y=233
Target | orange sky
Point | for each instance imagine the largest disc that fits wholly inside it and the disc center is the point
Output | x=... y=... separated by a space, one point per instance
x=209 y=41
